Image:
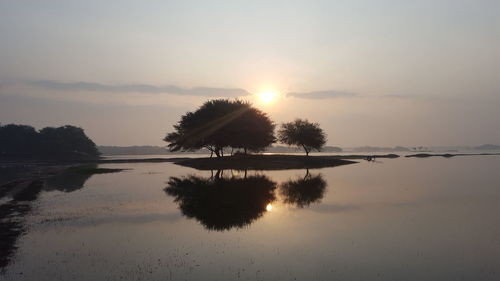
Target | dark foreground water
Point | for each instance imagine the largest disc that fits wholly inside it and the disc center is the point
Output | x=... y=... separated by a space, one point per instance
x=400 y=219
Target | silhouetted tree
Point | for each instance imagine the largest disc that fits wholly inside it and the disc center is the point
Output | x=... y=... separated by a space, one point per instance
x=303 y=191
x=222 y=123
x=18 y=141
x=66 y=142
x=303 y=134
x=222 y=203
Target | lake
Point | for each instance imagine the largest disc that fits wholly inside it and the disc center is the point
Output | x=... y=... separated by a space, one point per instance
x=394 y=219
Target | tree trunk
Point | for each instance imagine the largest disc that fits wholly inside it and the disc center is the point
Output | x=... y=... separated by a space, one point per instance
x=307 y=151
x=209 y=147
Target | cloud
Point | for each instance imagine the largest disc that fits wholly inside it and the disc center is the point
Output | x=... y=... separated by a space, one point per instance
x=333 y=208
x=401 y=96
x=328 y=94
x=138 y=88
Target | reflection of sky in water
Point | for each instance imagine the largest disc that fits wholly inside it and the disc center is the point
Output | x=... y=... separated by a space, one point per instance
x=404 y=219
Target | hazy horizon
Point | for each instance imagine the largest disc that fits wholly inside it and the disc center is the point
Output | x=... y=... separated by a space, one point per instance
x=383 y=73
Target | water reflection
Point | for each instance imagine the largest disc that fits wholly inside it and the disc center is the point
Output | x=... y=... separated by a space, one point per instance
x=269 y=207
x=303 y=191
x=11 y=219
x=22 y=193
x=74 y=178
x=435 y=227
x=236 y=200
x=220 y=203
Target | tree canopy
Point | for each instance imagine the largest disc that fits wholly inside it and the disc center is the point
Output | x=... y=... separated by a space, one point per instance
x=18 y=140
x=222 y=123
x=66 y=142
x=302 y=133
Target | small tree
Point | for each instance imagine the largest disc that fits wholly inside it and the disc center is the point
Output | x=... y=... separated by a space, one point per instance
x=303 y=134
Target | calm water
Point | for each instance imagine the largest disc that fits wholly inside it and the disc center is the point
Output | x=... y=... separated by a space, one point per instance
x=399 y=219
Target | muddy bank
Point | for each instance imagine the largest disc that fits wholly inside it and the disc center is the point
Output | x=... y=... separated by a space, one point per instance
x=264 y=162
x=144 y=160
x=183 y=159
x=448 y=155
x=14 y=162
x=22 y=185
x=28 y=170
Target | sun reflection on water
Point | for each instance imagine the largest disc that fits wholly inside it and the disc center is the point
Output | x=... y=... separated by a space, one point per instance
x=269 y=207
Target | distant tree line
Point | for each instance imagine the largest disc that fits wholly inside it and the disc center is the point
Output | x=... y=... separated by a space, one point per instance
x=66 y=142
x=133 y=150
x=106 y=150
x=220 y=124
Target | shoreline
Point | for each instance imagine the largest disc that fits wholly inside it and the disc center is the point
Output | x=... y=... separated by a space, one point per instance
x=24 y=176
x=449 y=155
x=264 y=162
x=22 y=172
x=37 y=163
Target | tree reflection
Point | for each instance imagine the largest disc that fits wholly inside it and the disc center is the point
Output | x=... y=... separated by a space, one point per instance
x=74 y=178
x=222 y=203
x=301 y=192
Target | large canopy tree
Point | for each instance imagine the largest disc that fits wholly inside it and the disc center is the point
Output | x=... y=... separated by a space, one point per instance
x=302 y=133
x=222 y=123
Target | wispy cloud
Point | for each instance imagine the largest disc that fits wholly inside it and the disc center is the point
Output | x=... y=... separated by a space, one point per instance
x=138 y=88
x=400 y=96
x=328 y=94
x=333 y=208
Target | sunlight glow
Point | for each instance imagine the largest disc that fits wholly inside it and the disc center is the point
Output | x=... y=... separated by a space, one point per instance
x=267 y=97
x=269 y=207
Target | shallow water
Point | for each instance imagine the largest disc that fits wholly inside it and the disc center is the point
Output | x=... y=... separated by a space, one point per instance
x=397 y=219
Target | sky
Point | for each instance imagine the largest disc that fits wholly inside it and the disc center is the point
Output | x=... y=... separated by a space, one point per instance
x=381 y=73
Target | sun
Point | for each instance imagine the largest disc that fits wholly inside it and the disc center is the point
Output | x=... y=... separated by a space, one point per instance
x=267 y=97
